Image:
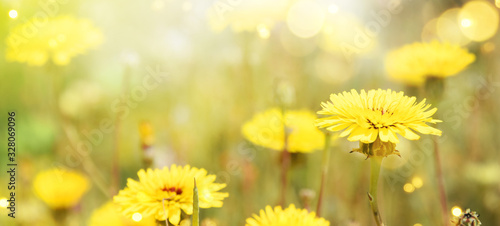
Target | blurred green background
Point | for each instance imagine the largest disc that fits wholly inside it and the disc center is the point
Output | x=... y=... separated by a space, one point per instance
x=222 y=62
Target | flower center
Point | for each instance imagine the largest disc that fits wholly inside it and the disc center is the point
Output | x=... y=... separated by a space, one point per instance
x=377 y=125
x=177 y=191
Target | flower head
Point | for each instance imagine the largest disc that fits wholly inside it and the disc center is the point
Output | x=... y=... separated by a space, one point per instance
x=467 y=218
x=108 y=215
x=171 y=189
x=267 y=129
x=59 y=39
x=60 y=189
x=289 y=216
x=376 y=117
x=413 y=64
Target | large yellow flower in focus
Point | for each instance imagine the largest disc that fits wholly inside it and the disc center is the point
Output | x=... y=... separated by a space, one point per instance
x=170 y=188
x=108 y=215
x=413 y=64
x=267 y=129
x=59 y=39
x=287 y=217
x=376 y=117
x=59 y=188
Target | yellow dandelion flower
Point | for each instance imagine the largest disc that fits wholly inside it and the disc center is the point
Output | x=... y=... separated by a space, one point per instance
x=59 y=188
x=375 y=117
x=266 y=129
x=289 y=216
x=108 y=215
x=171 y=189
x=413 y=64
x=59 y=39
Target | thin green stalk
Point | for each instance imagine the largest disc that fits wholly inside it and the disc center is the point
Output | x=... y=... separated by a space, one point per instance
x=434 y=88
x=115 y=164
x=324 y=171
x=439 y=175
x=196 y=206
x=372 y=195
x=285 y=161
x=285 y=166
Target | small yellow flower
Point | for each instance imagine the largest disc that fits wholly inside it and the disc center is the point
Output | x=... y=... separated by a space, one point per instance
x=171 y=189
x=59 y=39
x=287 y=217
x=108 y=215
x=413 y=64
x=60 y=189
x=267 y=129
x=376 y=117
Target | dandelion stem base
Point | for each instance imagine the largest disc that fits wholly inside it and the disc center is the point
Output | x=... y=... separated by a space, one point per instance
x=372 y=194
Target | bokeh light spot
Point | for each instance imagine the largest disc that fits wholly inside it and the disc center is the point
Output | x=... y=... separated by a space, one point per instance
x=305 y=18
x=263 y=31
x=448 y=28
x=137 y=217
x=409 y=188
x=483 y=18
x=456 y=211
x=157 y=5
x=488 y=47
x=4 y=203
x=466 y=22
x=333 y=9
x=417 y=182
x=13 y=14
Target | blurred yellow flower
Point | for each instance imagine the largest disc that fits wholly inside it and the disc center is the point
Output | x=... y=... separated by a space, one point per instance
x=171 y=189
x=108 y=215
x=59 y=39
x=266 y=129
x=413 y=64
x=375 y=117
x=59 y=188
x=146 y=133
x=289 y=216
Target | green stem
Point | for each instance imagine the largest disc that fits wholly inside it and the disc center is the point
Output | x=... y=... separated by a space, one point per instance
x=285 y=161
x=439 y=175
x=372 y=195
x=324 y=171
x=60 y=216
x=161 y=223
x=196 y=206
